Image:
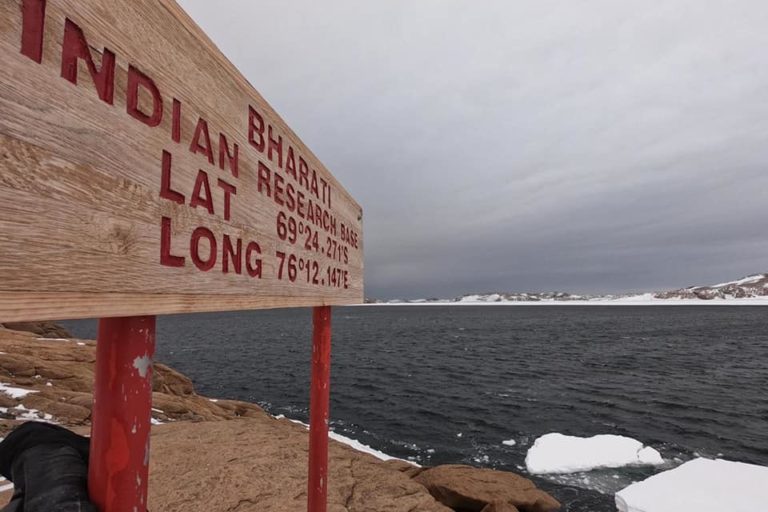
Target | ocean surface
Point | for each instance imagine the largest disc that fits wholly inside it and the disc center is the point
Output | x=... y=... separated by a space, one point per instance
x=449 y=384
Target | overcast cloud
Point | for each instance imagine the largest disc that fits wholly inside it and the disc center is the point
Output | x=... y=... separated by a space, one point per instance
x=587 y=146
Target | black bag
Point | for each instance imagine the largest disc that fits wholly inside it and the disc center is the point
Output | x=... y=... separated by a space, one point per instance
x=48 y=466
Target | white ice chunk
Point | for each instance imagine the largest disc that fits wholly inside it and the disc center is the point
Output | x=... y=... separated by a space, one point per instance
x=509 y=442
x=649 y=457
x=700 y=485
x=558 y=453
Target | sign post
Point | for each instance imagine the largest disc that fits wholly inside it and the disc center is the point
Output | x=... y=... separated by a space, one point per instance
x=141 y=174
x=118 y=470
x=319 y=403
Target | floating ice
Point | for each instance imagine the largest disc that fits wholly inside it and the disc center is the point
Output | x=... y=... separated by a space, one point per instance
x=509 y=442
x=700 y=485
x=558 y=453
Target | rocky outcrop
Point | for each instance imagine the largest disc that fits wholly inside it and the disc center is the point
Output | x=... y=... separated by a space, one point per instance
x=42 y=329
x=259 y=464
x=500 y=507
x=60 y=375
x=746 y=287
x=224 y=455
x=754 y=286
x=474 y=490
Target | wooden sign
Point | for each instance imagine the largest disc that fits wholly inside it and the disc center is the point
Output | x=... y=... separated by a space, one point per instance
x=140 y=173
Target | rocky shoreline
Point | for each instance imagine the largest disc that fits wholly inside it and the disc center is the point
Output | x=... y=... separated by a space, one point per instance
x=223 y=455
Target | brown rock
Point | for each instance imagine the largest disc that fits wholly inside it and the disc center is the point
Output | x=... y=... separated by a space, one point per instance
x=404 y=467
x=169 y=381
x=472 y=489
x=259 y=464
x=500 y=507
x=61 y=373
x=42 y=329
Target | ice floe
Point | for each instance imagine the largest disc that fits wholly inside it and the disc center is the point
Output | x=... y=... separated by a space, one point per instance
x=700 y=485
x=558 y=453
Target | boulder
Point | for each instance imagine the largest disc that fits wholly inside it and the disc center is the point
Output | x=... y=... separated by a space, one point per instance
x=473 y=489
x=500 y=507
x=169 y=381
x=42 y=329
x=404 y=467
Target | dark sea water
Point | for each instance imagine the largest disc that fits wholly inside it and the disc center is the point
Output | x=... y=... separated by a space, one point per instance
x=449 y=384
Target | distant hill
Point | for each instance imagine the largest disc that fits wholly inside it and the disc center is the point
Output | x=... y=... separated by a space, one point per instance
x=750 y=287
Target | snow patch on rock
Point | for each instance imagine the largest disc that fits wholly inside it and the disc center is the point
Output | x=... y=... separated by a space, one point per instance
x=14 y=392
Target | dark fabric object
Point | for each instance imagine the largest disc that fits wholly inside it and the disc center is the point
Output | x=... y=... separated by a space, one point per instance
x=48 y=466
x=35 y=433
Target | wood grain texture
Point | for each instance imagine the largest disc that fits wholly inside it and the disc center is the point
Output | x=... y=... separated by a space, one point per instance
x=81 y=208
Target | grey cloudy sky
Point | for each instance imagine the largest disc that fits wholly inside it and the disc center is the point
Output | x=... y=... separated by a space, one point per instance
x=591 y=146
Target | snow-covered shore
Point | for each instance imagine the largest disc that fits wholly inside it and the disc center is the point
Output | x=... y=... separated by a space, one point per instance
x=747 y=291
x=638 y=300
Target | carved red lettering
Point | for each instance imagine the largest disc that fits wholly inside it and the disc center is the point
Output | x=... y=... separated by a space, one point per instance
x=176 y=121
x=201 y=183
x=300 y=203
x=166 y=191
x=264 y=180
x=255 y=128
x=205 y=147
x=32 y=29
x=225 y=156
x=275 y=145
x=253 y=265
x=166 y=258
x=74 y=47
x=326 y=221
x=230 y=253
x=136 y=80
x=313 y=187
x=310 y=212
x=303 y=173
x=290 y=197
x=194 y=248
x=279 y=182
x=290 y=163
x=326 y=192
x=229 y=190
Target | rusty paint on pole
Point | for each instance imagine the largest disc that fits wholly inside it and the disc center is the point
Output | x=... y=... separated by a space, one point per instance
x=318 y=409
x=122 y=415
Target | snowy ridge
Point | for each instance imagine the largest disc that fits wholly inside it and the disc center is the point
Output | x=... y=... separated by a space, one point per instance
x=750 y=290
x=747 y=287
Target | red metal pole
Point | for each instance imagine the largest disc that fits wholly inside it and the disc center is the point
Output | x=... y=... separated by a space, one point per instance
x=318 y=410
x=122 y=414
